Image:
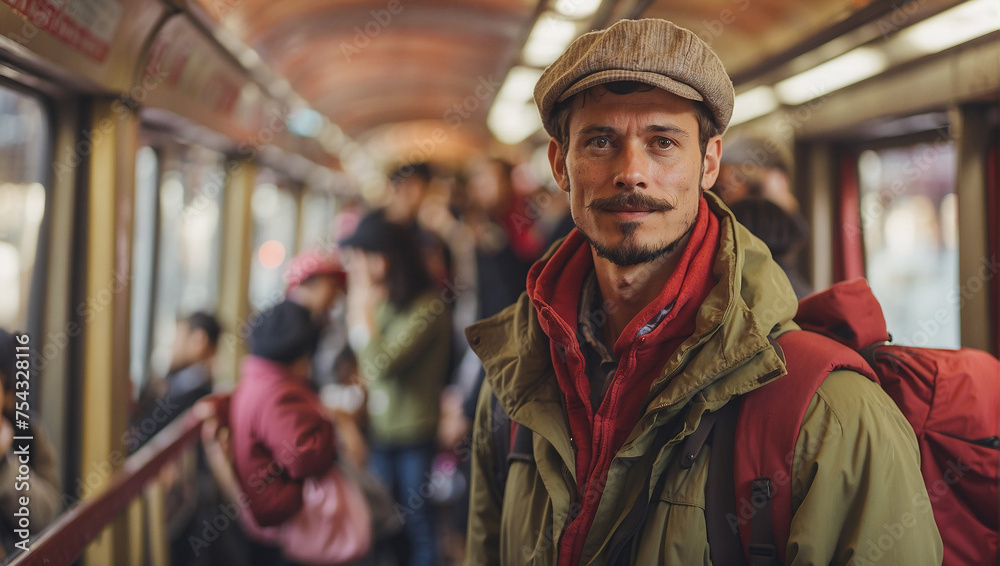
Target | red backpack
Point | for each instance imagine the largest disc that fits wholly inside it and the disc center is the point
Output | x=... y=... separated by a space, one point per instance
x=950 y=397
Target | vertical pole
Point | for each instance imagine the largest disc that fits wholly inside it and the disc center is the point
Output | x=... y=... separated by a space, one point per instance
x=234 y=302
x=113 y=140
x=971 y=129
x=822 y=210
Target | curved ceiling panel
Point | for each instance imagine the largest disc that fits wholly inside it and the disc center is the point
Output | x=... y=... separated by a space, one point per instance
x=366 y=64
x=369 y=65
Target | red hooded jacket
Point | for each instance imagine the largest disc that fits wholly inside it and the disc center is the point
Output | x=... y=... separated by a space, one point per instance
x=280 y=436
x=554 y=288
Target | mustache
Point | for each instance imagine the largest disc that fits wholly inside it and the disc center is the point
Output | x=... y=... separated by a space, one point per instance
x=630 y=200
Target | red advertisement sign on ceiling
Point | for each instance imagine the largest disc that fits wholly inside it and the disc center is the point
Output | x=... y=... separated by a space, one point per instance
x=86 y=25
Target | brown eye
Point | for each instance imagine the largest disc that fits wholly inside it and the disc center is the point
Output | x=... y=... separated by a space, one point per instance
x=664 y=143
x=600 y=142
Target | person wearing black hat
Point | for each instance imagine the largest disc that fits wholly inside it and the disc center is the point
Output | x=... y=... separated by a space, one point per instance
x=400 y=330
x=280 y=434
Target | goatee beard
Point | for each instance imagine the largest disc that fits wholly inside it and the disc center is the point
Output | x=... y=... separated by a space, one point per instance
x=628 y=253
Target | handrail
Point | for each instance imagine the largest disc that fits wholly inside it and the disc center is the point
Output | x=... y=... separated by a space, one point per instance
x=67 y=537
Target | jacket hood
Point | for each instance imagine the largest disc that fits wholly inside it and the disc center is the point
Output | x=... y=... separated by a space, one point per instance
x=728 y=354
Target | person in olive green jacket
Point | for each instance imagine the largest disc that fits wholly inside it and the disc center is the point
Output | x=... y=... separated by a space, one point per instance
x=656 y=310
x=400 y=330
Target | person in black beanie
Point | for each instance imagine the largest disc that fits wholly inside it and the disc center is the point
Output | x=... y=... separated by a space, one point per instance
x=280 y=433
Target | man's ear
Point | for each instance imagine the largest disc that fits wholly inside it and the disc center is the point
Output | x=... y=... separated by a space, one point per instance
x=557 y=160
x=713 y=159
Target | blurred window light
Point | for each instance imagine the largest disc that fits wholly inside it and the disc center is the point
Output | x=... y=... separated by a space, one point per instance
x=305 y=122
x=280 y=88
x=265 y=200
x=519 y=85
x=907 y=227
x=952 y=27
x=753 y=103
x=247 y=57
x=512 y=122
x=271 y=254
x=332 y=138
x=548 y=39
x=854 y=66
x=10 y=278
x=577 y=9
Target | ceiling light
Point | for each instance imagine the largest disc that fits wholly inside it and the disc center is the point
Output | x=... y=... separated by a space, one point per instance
x=519 y=85
x=956 y=26
x=280 y=88
x=577 y=9
x=247 y=57
x=305 y=122
x=548 y=39
x=854 y=66
x=512 y=122
x=753 y=103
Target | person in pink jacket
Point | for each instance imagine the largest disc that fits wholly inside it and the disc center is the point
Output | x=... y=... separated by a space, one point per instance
x=280 y=434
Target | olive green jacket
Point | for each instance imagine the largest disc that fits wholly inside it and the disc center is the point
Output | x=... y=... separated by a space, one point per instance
x=405 y=367
x=858 y=496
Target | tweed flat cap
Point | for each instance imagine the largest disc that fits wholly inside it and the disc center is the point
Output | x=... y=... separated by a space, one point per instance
x=651 y=51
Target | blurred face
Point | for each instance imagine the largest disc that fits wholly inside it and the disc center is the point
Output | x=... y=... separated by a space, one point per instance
x=189 y=345
x=731 y=185
x=634 y=172
x=406 y=196
x=364 y=265
x=325 y=290
x=488 y=189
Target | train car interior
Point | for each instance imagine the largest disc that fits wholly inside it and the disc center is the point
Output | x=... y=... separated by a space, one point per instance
x=160 y=158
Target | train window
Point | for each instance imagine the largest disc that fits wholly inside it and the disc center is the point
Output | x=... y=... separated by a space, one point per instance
x=147 y=168
x=909 y=215
x=24 y=139
x=318 y=211
x=275 y=218
x=187 y=272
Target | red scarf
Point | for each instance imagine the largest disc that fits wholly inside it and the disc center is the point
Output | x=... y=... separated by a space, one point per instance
x=554 y=288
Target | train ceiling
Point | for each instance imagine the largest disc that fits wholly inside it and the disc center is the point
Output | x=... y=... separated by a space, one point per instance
x=400 y=73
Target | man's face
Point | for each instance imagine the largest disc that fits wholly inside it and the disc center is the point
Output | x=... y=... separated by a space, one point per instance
x=633 y=168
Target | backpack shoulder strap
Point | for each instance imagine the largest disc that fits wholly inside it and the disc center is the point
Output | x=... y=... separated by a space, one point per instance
x=511 y=441
x=766 y=433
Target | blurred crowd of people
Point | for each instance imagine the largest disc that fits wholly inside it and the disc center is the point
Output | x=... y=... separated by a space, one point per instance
x=365 y=363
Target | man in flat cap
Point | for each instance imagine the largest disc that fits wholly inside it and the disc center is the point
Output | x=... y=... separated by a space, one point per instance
x=654 y=314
